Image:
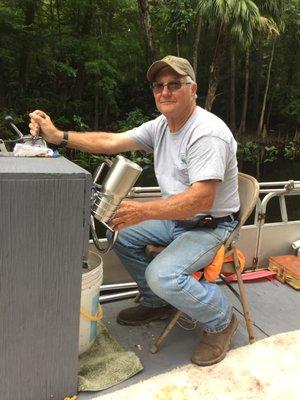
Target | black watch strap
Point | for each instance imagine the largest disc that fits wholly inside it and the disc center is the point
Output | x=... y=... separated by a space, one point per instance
x=64 y=140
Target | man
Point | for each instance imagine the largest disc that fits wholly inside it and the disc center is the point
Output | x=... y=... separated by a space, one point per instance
x=196 y=168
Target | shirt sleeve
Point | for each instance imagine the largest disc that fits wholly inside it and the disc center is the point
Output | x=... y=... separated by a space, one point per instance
x=207 y=159
x=143 y=136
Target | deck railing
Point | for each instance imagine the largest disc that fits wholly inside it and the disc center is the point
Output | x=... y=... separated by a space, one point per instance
x=268 y=189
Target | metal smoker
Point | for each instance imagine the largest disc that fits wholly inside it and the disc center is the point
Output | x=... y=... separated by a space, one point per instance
x=118 y=182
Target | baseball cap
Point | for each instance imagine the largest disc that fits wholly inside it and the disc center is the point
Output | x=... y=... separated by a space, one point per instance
x=178 y=64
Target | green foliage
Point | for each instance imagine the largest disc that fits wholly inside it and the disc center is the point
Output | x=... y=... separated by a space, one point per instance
x=179 y=15
x=271 y=154
x=66 y=69
x=253 y=152
x=248 y=151
x=79 y=123
x=84 y=61
x=5 y=131
x=291 y=152
x=140 y=159
x=133 y=119
x=292 y=111
x=88 y=161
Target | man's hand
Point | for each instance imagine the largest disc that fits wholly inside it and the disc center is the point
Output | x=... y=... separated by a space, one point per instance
x=185 y=205
x=129 y=213
x=40 y=122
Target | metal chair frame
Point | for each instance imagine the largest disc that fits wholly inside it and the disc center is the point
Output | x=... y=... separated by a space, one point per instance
x=248 y=188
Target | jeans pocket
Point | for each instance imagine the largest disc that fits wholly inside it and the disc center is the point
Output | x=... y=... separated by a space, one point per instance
x=222 y=234
x=229 y=226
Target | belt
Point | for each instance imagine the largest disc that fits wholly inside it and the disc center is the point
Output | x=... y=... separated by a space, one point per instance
x=227 y=218
x=207 y=221
x=212 y=222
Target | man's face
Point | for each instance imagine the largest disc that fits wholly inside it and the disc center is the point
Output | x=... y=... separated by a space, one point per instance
x=173 y=100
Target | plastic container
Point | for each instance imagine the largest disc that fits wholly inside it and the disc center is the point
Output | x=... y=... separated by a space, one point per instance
x=92 y=278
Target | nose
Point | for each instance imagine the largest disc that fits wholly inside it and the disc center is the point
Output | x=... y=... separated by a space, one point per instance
x=166 y=91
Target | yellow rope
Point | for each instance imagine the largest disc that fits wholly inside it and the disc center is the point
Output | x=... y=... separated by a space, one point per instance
x=90 y=317
x=97 y=317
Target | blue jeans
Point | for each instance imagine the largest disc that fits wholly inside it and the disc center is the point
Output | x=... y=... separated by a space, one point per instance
x=167 y=278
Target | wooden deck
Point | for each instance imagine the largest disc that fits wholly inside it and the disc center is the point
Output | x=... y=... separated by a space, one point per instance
x=274 y=307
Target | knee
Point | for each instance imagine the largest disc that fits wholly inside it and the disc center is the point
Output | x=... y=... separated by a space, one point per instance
x=119 y=244
x=123 y=238
x=158 y=279
x=126 y=240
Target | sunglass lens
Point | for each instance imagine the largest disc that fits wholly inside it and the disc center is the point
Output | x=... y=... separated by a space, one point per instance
x=176 y=85
x=157 y=87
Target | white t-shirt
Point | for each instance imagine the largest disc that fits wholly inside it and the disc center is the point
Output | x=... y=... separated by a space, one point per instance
x=204 y=148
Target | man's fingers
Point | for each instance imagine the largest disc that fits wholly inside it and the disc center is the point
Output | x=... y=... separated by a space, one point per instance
x=39 y=117
x=40 y=113
x=36 y=118
x=34 y=128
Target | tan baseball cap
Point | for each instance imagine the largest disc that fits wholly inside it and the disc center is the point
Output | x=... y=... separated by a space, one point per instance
x=178 y=64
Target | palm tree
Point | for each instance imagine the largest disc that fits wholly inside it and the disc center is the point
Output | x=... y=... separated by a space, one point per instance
x=146 y=21
x=242 y=126
x=275 y=10
x=179 y=15
x=198 y=23
x=235 y=19
x=266 y=25
x=263 y=108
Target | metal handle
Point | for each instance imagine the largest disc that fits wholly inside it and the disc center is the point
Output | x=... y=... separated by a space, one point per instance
x=100 y=169
x=103 y=249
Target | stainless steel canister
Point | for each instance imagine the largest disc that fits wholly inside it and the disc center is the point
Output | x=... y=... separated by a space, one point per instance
x=117 y=183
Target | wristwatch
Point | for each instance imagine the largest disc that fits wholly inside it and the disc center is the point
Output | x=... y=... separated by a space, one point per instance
x=64 y=140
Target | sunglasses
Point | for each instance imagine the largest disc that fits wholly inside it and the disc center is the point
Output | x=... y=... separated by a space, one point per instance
x=172 y=86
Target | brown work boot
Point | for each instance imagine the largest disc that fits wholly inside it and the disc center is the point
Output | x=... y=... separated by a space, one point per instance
x=214 y=346
x=141 y=314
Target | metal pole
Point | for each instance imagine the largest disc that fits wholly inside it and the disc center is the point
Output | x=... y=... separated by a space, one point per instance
x=118 y=286
x=117 y=296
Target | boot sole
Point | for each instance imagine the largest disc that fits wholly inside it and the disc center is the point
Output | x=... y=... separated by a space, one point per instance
x=143 y=322
x=221 y=356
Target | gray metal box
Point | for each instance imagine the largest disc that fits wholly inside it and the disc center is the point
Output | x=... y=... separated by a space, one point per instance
x=44 y=221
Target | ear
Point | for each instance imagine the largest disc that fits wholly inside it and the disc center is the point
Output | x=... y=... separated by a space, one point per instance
x=194 y=88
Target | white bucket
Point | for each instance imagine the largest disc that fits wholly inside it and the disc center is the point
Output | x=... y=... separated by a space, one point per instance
x=89 y=307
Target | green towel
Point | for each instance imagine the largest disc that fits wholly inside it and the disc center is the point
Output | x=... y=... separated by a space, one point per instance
x=106 y=364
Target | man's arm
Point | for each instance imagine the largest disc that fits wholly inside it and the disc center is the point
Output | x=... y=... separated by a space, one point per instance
x=92 y=142
x=198 y=198
x=102 y=142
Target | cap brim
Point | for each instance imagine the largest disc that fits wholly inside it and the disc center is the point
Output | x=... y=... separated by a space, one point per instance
x=158 y=65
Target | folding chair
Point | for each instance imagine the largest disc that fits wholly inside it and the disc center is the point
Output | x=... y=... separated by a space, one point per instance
x=248 y=192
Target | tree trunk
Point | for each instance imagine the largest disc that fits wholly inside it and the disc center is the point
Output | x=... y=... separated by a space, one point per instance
x=80 y=79
x=242 y=127
x=29 y=12
x=296 y=137
x=215 y=68
x=146 y=21
x=96 y=109
x=57 y=4
x=211 y=91
x=85 y=30
x=269 y=113
x=232 y=115
x=196 y=41
x=177 y=44
x=257 y=65
x=2 y=91
x=263 y=109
